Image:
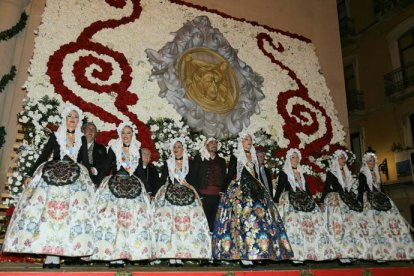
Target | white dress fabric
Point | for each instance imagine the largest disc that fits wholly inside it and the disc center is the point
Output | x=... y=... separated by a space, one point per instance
x=123 y=227
x=54 y=220
x=180 y=226
x=389 y=237
x=306 y=232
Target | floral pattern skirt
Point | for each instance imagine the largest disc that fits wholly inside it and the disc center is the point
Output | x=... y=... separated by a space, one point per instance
x=349 y=230
x=123 y=224
x=249 y=227
x=306 y=231
x=180 y=231
x=390 y=237
x=54 y=219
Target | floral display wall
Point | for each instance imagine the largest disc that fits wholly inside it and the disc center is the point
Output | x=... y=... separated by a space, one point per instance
x=93 y=54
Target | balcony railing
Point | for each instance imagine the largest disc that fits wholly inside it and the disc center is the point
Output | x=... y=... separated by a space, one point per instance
x=346 y=27
x=355 y=100
x=398 y=80
x=381 y=7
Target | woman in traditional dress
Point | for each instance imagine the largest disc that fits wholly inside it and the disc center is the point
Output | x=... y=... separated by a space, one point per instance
x=346 y=222
x=55 y=214
x=124 y=219
x=180 y=225
x=304 y=222
x=389 y=237
x=248 y=226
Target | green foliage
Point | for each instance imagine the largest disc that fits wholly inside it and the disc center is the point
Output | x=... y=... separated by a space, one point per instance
x=7 y=34
x=2 y=135
x=7 y=78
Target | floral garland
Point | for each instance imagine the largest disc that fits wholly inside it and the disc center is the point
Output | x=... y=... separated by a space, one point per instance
x=7 y=78
x=2 y=135
x=20 y=25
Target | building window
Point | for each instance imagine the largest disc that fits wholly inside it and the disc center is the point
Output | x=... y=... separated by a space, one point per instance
x=356 y=148
x=346 y=24
x=406 y=51
x=354 y=97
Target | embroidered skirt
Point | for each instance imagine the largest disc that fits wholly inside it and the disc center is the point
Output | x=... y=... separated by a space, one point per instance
x=306 y=229
x=248 y=225
x=180 y=225
x=348 y=229
x=390 y=237
x=124 y=219
x=55 y=214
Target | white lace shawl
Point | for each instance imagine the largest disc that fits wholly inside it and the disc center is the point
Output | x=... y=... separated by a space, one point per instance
x=241 y=155
x=336 y=170
x=171 y=161
x=61 y=136
x=367 y=172
x=287 y=169
x=117 y=144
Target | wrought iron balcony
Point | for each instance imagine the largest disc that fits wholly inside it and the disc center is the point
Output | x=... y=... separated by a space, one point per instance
x=398 y=81
x=381 y=7
x=355 y=100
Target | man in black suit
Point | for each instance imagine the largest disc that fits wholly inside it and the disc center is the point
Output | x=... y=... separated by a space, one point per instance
x=264 y=173
x=208 y=176
x=147 y=172
x=96 y=152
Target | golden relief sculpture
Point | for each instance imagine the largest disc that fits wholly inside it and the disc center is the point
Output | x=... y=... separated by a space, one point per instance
x=208 y=80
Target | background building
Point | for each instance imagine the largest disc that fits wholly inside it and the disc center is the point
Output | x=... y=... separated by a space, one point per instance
x=377 y=38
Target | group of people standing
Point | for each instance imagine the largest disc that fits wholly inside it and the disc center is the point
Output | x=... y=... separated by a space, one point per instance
x=111 y=205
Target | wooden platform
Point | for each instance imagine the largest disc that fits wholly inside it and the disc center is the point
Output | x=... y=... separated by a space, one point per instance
x=316 y=269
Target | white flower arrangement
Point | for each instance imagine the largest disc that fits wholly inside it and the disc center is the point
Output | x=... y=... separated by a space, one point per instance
x=34 y=118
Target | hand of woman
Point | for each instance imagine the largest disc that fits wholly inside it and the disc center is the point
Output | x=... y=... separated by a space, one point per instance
x=27 y=181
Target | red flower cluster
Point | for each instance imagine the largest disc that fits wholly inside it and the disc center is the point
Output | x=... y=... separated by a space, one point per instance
x=296 y=122
x=124 y=98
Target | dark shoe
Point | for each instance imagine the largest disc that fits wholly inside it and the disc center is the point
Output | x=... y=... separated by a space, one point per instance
x=179 y=264
x=71 y=261
x=55 y=266
x=262 y=263
x=204 y=263
x=46 y=266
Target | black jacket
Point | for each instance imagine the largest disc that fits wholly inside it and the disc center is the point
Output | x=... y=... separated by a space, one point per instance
x=109 y=166
x=149 y=176
x=363 y=187
x=99 y=156
x=232 y=170
x=165 y=177
x=284 y=185
x=199 y=171
x=332 y=185
x=52 y=147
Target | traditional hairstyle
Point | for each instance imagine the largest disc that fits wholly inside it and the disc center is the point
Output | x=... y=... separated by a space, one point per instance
x=117 y=144
x=241 y=155
x=205 y=155
x=336 y=170
x=61 y=131
x=171 y=160
x=367 y=172
x=287 y=169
